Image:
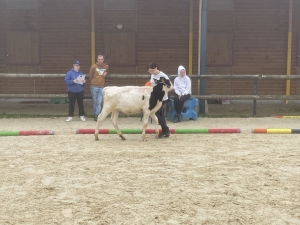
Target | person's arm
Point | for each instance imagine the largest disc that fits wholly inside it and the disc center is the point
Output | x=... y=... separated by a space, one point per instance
x=106 y=71
x=84 y=81
x=176 y=86
x=91 y=72
x=152 y=81
x=68 y=79
x=165 y=76
x=188 y=87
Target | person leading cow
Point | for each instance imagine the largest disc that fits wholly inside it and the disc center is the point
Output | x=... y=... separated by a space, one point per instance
x=156 y=75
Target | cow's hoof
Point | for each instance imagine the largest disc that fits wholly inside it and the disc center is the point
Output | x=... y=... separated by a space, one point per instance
x=122 y=137
x=144 y=140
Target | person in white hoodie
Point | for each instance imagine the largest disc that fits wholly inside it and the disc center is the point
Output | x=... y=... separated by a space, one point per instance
x=182 y=88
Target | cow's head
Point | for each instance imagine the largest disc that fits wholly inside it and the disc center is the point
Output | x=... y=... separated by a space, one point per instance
x=165 y=82
x=161 y=88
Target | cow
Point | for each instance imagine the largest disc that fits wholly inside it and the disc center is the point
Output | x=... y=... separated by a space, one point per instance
x=131 y=100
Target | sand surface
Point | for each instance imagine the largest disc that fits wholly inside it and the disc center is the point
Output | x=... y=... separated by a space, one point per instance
x=69 y=178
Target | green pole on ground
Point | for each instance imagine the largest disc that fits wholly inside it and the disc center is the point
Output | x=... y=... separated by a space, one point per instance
x=9 y=133
x=191 y=131
x=126 y=131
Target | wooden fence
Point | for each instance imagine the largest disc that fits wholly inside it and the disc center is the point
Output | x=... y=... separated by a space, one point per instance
x=253 y=97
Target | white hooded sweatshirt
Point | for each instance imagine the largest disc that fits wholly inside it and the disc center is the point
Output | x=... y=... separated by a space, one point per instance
x=182 y=85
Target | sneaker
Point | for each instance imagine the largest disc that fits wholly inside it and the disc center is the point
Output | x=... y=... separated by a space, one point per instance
x=69 y=119
x=82 y=118
x=175 y=120
x=179 y=118
x=167 y=134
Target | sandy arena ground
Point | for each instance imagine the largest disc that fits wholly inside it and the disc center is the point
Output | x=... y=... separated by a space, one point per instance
x=69 y=178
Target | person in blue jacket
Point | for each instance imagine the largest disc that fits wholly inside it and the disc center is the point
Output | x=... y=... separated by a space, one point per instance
x=75 y=80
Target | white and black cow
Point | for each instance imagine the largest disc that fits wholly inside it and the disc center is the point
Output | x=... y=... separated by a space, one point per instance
x=132 y=100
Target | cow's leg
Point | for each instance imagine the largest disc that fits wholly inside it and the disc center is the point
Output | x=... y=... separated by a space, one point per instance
x=145 y=123
x=114 y=120
x=154 y=118
x=100 y=118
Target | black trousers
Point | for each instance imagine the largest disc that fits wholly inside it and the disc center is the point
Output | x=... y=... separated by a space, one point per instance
x=73 y=97
x=161 y=117
x=178 y=103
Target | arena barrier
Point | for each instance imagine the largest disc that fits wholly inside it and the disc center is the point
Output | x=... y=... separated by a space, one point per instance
x=152 y=131
x=286 y=116
x=275 y=131
x=26 y=132
x=202 y=97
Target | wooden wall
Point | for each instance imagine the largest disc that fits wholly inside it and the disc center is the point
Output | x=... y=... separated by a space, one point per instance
x=2 y=37
x=65 y=34
x=260 y=43
x=260 y=31
x=3 y=84
x=249 y=38
x=161 y=28
x=21 y=22
x=296 y=17
x=220 y=22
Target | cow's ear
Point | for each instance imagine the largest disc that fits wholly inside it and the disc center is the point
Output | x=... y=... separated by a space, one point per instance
x=167 y=83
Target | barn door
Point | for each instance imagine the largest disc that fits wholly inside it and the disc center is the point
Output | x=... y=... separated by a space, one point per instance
x=23 y=48
x=219 y=49
x=120 y=48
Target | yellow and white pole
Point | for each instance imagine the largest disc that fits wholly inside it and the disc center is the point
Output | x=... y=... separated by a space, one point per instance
x=289 y=50
x=199 y=42
x=191 y=38
x=93 y=31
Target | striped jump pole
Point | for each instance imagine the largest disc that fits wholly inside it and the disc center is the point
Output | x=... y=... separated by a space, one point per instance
x=275 y=131
x=26 y=132
x=152 y=131
x=293 y=117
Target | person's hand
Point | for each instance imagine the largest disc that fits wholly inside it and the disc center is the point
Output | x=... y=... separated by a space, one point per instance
x=83 y=81
x=179 y=96
x=75 y=81
x=104 y=74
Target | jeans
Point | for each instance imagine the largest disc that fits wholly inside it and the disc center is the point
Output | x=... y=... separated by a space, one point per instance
x=97 y=99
